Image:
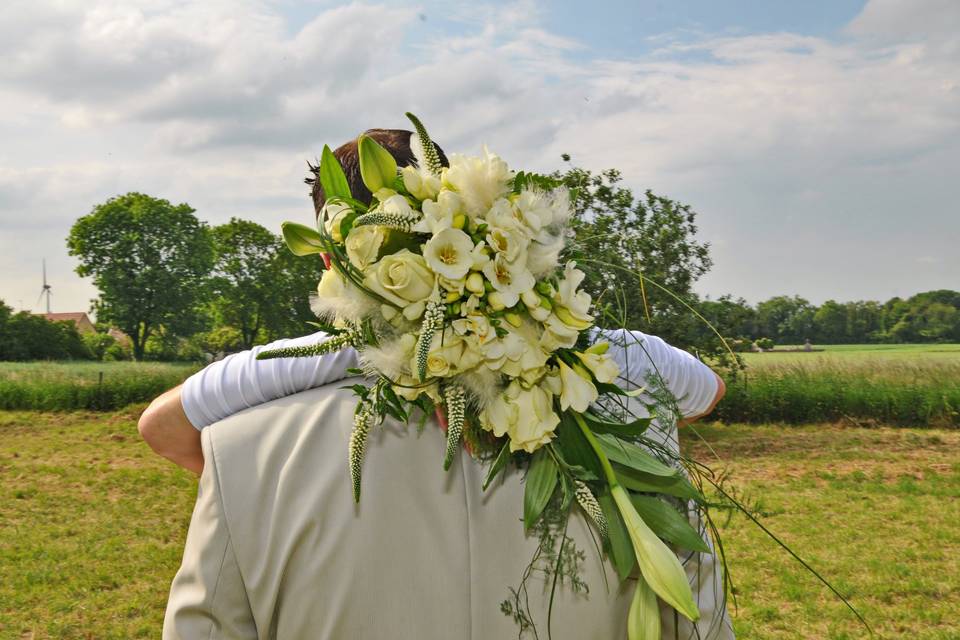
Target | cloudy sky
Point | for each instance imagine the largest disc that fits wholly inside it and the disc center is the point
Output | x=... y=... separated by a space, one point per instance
x=819 y=141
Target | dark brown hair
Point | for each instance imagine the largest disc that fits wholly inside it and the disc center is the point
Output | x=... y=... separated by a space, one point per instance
x=396 y=141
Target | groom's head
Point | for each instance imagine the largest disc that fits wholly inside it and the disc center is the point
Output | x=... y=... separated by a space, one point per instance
x=396 y=141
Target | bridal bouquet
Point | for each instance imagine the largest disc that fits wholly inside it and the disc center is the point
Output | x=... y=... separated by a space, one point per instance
x=451 y=286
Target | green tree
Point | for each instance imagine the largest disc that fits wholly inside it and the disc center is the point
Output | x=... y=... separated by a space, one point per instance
x=29 y=337
x=617 y=235
x=261 y=289
x=786 y=320
x=150 y=260
x=830 y=323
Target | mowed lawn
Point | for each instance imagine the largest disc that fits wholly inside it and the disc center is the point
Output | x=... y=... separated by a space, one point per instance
x=92 y=526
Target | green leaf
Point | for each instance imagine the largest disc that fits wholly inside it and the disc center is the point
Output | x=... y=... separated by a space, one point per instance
x=498 y=465
x=668 y=523
x=677 y=485
x=633 y=456
x=301 y=239
x=377 y=167
x=634 y=428
x=540 y=482
x=332 y=178
x=621 y=549
x=574 y=448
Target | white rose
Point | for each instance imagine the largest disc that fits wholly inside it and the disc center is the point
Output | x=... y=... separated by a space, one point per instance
x=449 y=253
x=363 y=245
x=401 y=277
x=331 y=285
x=525 y=414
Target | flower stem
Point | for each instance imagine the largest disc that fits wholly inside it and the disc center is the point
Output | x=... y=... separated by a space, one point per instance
x=604 y=460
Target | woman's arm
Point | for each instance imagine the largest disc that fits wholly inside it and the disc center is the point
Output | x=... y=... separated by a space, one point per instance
x=165 y=427
x=644 y=358
x=171 y=423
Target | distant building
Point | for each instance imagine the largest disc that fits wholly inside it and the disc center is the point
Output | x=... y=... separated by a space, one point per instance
x=78 y=318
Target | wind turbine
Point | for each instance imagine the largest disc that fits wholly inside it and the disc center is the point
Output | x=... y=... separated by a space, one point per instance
x=46 y=287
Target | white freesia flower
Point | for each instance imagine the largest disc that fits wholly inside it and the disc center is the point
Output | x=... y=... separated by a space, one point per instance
x=578 y=392
x=476 y=325
x=517 y=354
x=449 y=355
x=603 y=367
x=533 y=209
x=363 y=245
x=449 y=253
x=333 y=214
x=557 y=334
x=509 y=279
x=421 y=184
x=525 y=414
x=479 y=180
x=510 y=243
x=439 y=214
x=572 y=306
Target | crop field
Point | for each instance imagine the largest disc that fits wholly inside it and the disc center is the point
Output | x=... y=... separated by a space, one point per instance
x=898 y=385
x=92 y=526
x=85 y=385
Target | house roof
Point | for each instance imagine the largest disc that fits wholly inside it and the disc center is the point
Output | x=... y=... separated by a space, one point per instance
x=73 y=316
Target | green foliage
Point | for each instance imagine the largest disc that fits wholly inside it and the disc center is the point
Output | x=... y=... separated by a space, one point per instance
x=256 y=288
x=149 y=259
x=540 y=483
x=98 y=344
x=24 y=336
x=618 y=235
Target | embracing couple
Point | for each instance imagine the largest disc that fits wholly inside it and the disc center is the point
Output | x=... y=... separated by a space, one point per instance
x=278 y=548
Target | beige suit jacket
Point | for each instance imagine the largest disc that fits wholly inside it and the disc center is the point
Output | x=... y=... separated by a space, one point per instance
x=277 y=548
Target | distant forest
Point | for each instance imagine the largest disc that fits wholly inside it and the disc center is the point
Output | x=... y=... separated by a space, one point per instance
x=933 y=316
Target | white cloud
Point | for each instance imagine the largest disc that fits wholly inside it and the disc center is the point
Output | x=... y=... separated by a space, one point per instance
x=788 y=145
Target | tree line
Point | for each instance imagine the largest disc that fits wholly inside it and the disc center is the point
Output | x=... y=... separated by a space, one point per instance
x=181 y=289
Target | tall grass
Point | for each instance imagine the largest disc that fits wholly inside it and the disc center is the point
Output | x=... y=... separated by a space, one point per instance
x=85 y=385
x=896 y=392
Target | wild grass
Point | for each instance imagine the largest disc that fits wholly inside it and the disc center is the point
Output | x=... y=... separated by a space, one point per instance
x=855 y=387
x=92 y=526
x=85 y=385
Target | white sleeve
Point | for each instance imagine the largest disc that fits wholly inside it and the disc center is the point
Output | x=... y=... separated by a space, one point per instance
x=240 y=381
x=642 y=357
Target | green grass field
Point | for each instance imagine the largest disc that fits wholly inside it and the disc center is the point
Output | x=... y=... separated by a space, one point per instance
x=78 y=384
x=848 y=353
x=92 y=526
x=898 y=385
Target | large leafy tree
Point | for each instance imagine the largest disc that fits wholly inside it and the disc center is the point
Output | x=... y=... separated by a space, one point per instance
x=619 y=237
x=150 y=259
x=260 y=288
